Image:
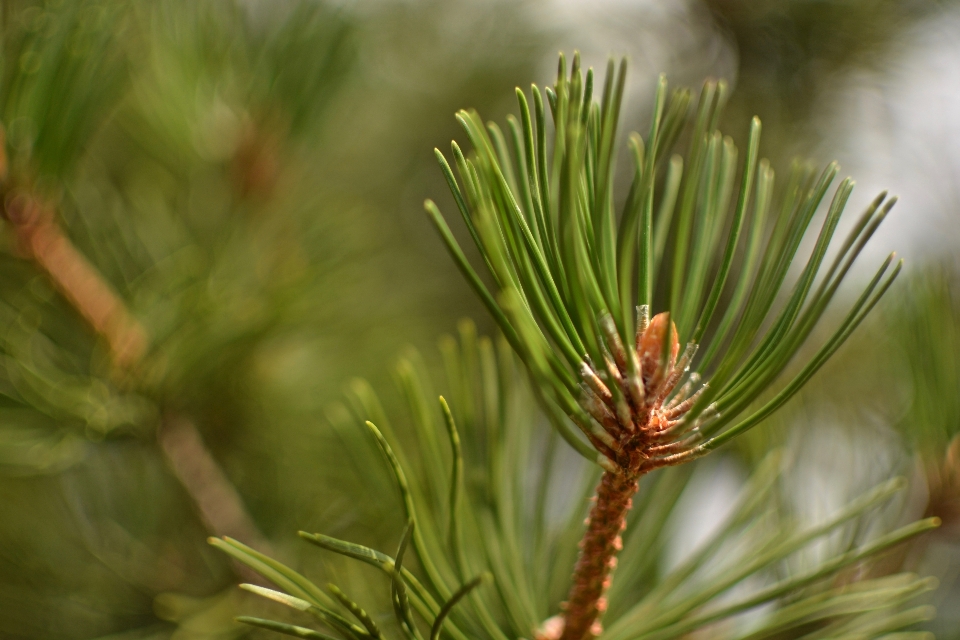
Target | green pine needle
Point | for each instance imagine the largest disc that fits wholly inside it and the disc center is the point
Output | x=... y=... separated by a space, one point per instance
x=573 y=284
x=800 y=577
x=565 y=264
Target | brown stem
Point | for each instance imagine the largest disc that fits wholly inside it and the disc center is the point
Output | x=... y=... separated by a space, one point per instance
x=598 y=556
x=41 y=239
x=647 y=435
x=220 y=505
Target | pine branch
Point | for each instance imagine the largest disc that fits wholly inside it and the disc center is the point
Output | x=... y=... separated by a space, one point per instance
x=569 y=276
x=574 y=286
x=498 y=421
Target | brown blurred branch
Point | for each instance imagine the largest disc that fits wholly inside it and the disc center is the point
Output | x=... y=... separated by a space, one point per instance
x=40 y=239
x=220 y=505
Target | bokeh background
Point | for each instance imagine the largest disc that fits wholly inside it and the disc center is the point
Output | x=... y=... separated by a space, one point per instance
x=247 y=176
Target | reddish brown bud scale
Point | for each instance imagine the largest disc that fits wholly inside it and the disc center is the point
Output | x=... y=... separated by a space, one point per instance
x=651 y=346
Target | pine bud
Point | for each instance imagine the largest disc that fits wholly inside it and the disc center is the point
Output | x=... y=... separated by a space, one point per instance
x=651 y=348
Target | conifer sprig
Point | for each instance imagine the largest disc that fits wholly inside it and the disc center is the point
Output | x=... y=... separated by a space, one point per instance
x=575 y=282
x=575 y=277
x=791 y=578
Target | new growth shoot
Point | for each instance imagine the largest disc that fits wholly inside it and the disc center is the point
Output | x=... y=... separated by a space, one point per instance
x=702 y=237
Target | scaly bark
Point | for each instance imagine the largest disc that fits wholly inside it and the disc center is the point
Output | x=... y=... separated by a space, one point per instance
x=598 y=556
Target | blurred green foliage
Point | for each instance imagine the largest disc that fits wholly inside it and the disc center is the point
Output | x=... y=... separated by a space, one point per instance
x=203 y=158
x=791 y=53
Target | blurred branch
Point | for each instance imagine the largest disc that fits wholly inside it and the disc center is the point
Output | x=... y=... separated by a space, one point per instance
x=41 y=240
x=220 y=505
